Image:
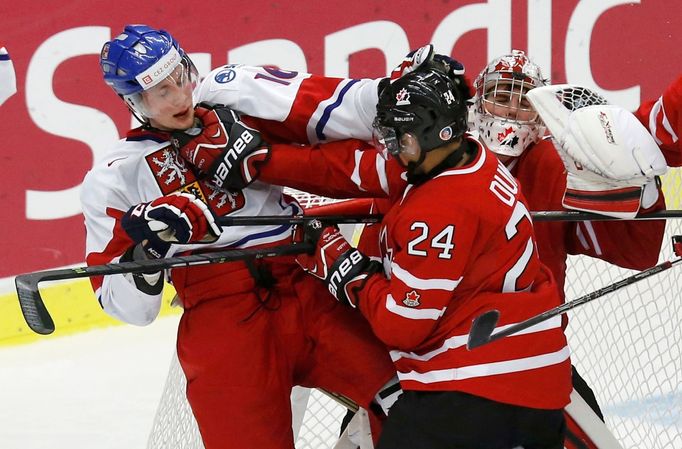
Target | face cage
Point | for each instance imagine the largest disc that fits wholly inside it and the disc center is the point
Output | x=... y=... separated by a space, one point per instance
x=506 y=135
x=501 y=94
x=188 y=74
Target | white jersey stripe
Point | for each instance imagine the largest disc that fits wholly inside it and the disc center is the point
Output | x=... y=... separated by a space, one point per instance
x=458 y=341
x=666 y=124
x=593 y=237
x=423 y=284
x=412 y=314
x=355 y=176
x=487 y=369
x=381 y=172
x=652 y=119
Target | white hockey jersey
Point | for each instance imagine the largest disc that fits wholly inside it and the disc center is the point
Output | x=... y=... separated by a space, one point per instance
x=285 y=106
x=8 y=80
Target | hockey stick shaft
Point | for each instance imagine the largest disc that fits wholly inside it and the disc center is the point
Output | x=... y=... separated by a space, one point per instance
x=481 y=332
x=298 y=219
x=538 y=216
x=341 y=399
x=39 y=320
x=575 y=215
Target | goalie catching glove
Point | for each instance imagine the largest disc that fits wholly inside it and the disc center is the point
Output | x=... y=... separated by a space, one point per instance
x=611 y=159
x=343 y=268
x=175 y=218
x=222 y=147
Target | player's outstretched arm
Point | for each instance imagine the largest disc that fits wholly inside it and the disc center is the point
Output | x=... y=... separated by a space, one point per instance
x=663 y=119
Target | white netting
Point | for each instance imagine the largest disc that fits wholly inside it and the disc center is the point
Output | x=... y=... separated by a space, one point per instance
x=626 y=345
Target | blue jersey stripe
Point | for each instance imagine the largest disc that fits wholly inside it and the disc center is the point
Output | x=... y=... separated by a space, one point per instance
x=319 y=128
x=273 y=232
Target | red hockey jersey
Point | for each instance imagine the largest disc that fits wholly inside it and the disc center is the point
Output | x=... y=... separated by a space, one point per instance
x=628 y=244
x=452 y=248
x=663 y=118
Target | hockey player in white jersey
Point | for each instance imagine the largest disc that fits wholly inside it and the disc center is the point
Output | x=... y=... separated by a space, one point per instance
x=250 y=330
x=8 y=81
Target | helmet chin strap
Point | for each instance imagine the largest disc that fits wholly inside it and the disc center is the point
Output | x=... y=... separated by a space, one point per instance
x=409 y=145
x=412 y=168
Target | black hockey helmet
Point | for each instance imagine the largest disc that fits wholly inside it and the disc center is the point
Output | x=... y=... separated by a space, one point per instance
x=426 y=104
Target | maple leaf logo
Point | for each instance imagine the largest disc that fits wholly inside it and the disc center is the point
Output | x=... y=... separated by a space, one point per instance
x=503 y=135
x=412 y=299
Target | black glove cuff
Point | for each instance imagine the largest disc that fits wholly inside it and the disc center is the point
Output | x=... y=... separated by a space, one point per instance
x=136 y=253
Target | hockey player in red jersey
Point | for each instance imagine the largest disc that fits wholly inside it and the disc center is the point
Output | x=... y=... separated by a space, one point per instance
x=457 y=241
x=509 y=126
x=250 y=330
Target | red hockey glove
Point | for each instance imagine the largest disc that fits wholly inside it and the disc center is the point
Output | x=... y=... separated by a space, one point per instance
x=224 y=149
x=343 y=268
x=176 y=218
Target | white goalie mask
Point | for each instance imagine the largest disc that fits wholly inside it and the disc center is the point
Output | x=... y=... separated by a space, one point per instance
x=504 y=118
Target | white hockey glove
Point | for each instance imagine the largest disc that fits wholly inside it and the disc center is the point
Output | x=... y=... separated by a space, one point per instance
x=611 y=159
x=413 y=61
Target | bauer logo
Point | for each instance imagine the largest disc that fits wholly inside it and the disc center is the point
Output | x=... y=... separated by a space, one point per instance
x=225 y=76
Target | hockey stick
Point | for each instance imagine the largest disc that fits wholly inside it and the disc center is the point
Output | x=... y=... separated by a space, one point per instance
x=297 y=219
x=576 y=215
x=538 y=216
x=340 y=399
x=39 y=320
x=483 y=326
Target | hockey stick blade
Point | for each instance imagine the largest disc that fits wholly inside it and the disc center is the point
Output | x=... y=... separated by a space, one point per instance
x=341 y=399
x=32 y=306
x=482 y=328
x=38 y=317
x=481 y=332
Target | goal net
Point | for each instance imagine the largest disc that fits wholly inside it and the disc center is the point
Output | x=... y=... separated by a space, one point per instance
x=626 y=345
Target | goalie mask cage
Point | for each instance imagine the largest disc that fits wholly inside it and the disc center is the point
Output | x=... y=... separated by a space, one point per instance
x=627 y=346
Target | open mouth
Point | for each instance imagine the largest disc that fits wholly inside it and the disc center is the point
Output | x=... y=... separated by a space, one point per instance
x=182 y=114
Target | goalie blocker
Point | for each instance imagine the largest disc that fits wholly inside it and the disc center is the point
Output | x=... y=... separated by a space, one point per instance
x=611 y=158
